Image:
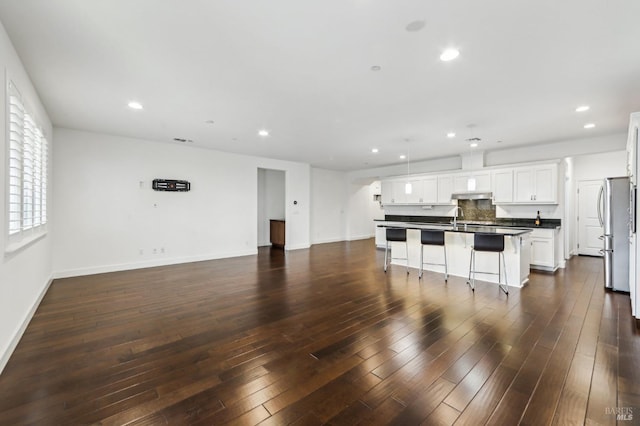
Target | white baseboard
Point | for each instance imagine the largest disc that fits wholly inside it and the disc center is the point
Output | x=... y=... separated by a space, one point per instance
x=327 y=240
x=296 y=246
x=4 y=358
x=148 y=264
x=360 y=237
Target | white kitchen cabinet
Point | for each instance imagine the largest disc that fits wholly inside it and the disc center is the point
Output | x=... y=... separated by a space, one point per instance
x=387 y=192
x=543 y=249
x=416 y=196
x=381 y=237
x=525 y=257
x=430 y=190
x=399 y=194
x=483 y=182
x=393 y=192
x=502 y=186
x=445 y=188
x=536 y=184
x=517 y=185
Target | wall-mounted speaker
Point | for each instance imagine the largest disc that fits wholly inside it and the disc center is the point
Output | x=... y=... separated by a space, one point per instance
x=171 y=185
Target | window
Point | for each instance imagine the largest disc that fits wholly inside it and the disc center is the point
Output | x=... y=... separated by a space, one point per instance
x=27 y=172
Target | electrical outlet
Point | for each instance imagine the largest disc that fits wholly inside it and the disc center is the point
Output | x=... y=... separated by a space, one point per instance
x=155 y=251
x=161 y=249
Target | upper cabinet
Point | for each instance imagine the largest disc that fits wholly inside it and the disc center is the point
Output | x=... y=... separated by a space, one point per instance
x=387 y=192
x=502 y=186
x=416 y=196
x=536 y=184
x=394 y=191
x=461 y=182
x=430 y=190
x=445 y=189
x=399 y=195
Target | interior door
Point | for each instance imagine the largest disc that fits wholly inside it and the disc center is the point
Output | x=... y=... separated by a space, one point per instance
x=589 y=229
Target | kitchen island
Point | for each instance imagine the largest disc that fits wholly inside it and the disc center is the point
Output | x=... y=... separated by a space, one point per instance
x=458 y=242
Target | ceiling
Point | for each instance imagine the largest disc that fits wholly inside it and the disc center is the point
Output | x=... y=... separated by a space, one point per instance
x=303 y=70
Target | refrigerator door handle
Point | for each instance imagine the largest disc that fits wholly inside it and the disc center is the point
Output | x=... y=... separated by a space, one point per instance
x=632 y=209
x=600 y=198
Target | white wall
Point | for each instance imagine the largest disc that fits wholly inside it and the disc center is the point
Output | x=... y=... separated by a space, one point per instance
x=592 y=167
x=556 y=150
x=329 y=204
x=436 y=165
x=362 y=210
x=297 y=199
x=600 y=166
x=107 y=212
x=522 y=154
x=24 y=274
x=271 y=202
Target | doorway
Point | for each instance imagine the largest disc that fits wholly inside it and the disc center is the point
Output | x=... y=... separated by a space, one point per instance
x=589 y=228
x=271 y=202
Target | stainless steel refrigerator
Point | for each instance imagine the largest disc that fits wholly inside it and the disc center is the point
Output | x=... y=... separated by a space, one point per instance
x=613 y=212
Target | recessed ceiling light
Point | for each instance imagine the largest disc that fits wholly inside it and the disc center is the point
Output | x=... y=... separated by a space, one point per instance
x=415 y=26
x=134 y=105
x=402 y=157
x=449 y=55
x=473 y=144
x=376 y=68
x=589 y=126
x=209 y=121
x=374 y=150
x=451 y=135
x=582 y=108
x=263 y=132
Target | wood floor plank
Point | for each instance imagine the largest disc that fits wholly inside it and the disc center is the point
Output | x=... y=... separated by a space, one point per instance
x=424 y=403
x=323 y=336
x=443 y=415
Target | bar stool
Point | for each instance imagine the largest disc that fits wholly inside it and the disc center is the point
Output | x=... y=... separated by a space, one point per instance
x=488 y=243
x=432 y=237
x=396 y=235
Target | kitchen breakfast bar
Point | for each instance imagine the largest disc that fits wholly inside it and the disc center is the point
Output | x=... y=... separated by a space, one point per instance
x=458 y=242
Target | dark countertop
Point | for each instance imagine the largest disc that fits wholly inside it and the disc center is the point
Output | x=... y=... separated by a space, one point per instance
x=465 y=228
x=502 y=222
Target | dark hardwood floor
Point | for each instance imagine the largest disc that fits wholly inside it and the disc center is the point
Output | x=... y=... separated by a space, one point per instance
x=324 y=336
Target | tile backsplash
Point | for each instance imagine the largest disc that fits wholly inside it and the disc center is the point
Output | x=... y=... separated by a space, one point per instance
x=482 y=210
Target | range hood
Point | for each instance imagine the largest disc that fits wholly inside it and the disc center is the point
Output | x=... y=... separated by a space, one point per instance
x=472 y=195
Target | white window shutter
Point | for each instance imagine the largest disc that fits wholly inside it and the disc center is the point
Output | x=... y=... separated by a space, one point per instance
x=27 y=172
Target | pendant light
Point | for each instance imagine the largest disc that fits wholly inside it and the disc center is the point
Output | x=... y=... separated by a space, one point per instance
x=471 y=181
x=408 y=188
x=473 y=142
